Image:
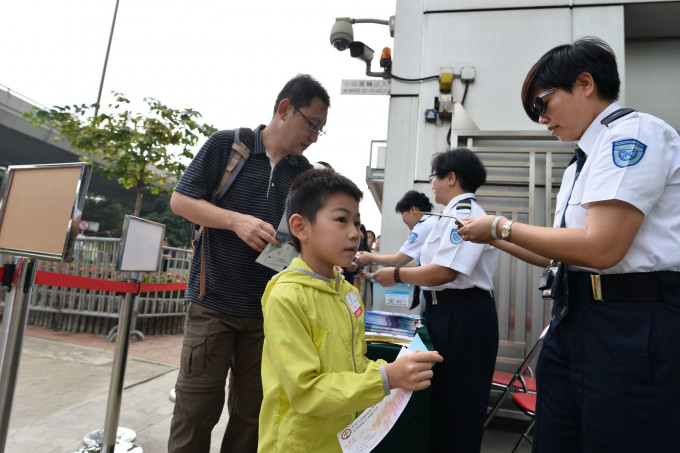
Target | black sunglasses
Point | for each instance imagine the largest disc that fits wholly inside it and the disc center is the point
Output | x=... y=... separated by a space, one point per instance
x=539 y=104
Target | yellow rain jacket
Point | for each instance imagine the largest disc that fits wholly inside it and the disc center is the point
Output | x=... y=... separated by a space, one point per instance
x=316 y=378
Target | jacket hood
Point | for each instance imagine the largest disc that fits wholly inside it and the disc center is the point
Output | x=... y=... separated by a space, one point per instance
x=299 y=272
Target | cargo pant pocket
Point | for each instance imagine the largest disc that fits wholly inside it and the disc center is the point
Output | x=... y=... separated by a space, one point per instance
x=193 y=357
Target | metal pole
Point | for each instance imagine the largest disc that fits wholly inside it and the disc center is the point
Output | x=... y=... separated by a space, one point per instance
x=13 y=326
x=118 y=371
x=106 y=60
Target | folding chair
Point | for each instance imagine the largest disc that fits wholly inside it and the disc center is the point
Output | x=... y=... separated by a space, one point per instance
x=517 y=381
x=527 y=403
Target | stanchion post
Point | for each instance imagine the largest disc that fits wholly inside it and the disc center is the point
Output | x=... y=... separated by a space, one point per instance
x=13 y=326
x=118 y=371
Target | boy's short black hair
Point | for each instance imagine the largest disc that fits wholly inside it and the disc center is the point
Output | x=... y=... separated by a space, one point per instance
x=561 y=65
x=464 y=163
x=301 y=90
x=309 y=192
x=413 y=198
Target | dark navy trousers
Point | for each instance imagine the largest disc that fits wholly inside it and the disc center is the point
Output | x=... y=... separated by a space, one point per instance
x=464 y=330
x=609 y=375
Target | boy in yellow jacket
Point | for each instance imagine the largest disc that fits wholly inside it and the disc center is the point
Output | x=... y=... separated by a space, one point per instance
x=316 y=378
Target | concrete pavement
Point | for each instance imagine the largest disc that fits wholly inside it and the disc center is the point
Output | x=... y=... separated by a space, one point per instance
x=63 y=384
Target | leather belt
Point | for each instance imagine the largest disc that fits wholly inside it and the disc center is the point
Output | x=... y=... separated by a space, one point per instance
x=452 y=295
x=635 y=286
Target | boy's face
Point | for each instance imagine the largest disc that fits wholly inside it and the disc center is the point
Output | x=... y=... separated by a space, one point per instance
x=334 y=237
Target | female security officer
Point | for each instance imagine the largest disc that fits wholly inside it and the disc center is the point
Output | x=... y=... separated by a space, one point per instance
x=457 y=280
x=411 y=206
x=609 y=370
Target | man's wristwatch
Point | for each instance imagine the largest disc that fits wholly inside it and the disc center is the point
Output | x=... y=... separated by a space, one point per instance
x=505 y=230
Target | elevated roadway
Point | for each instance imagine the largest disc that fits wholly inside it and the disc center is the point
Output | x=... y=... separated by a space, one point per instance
x=23 y=144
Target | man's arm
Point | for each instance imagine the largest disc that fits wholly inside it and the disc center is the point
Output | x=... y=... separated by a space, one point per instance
x=251 y=230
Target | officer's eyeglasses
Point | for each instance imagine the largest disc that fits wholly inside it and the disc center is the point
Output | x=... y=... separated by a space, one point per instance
x=432 y=176
x=313 y=128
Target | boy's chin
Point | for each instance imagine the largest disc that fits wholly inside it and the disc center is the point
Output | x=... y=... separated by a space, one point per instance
x=346 y=264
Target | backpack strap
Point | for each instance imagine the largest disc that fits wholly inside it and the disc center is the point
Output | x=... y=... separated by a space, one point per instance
x=237 y=158
x=238 y=155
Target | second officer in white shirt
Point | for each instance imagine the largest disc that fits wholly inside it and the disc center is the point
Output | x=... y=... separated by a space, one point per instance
x=457 y=281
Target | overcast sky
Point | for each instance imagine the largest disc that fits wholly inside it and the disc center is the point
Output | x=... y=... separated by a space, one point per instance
x=225 y=59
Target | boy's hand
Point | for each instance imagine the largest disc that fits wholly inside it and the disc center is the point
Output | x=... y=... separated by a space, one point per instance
x=412 y=371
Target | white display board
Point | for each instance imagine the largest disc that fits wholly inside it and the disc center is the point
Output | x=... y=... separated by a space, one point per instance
x=141 y=245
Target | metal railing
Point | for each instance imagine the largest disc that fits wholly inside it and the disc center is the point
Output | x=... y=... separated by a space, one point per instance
x=92 y=311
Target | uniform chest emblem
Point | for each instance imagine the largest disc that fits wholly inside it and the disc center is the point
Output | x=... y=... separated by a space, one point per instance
x=627 y=153
x=412 y=237
x=455 y=237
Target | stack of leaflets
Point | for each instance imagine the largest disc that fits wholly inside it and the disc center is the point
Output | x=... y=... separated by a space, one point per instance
x=387 y=327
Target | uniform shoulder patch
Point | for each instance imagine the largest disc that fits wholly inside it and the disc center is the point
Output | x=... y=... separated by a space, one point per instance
x=627 y=153
x=455 y=237
x=412 y=237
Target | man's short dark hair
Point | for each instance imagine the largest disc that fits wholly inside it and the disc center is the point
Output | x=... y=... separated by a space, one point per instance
x=309 y=192
x=412 y=199
x=301 y=90
x=561 y=65
x=464 y=163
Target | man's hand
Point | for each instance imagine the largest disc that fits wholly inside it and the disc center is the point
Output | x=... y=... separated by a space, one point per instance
x=412 y=371
x=254 y=232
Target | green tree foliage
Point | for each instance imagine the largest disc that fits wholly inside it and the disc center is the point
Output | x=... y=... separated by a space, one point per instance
x=177 y=229
x=110 y=214
x=139 y=151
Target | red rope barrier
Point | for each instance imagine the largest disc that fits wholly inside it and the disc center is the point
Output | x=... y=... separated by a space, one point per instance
x=153 y=287
x=77 y=281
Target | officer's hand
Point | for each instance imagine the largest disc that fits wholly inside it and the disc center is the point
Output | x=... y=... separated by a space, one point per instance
x=363 y=258
x=412 y=371
x=385 y=276
x=478 y=229
x=254 y=232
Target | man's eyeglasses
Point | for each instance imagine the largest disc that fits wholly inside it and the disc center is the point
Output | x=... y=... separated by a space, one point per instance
x=540 y=105
x=313 y=128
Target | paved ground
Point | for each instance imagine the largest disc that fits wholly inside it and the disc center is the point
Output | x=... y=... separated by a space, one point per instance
x=63 y=384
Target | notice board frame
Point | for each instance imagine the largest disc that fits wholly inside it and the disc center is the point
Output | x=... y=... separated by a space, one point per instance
x=141 y=246
x=41 y=209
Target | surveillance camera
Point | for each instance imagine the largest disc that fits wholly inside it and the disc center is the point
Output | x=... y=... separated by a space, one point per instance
x=361 y=51
x=341 y=33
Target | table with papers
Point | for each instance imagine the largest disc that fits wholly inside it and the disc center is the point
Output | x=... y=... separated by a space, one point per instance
x=412 y=430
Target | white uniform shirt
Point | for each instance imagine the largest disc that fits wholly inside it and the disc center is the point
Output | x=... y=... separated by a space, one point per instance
x=476 y=264
x=635 y=159
x=417 y=237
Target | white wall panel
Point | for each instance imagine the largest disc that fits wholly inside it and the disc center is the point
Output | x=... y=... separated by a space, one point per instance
x=653 y=78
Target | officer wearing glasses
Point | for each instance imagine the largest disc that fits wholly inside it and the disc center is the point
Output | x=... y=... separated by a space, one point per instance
x=224 y=328
x=609 y=370
x=457 y=281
